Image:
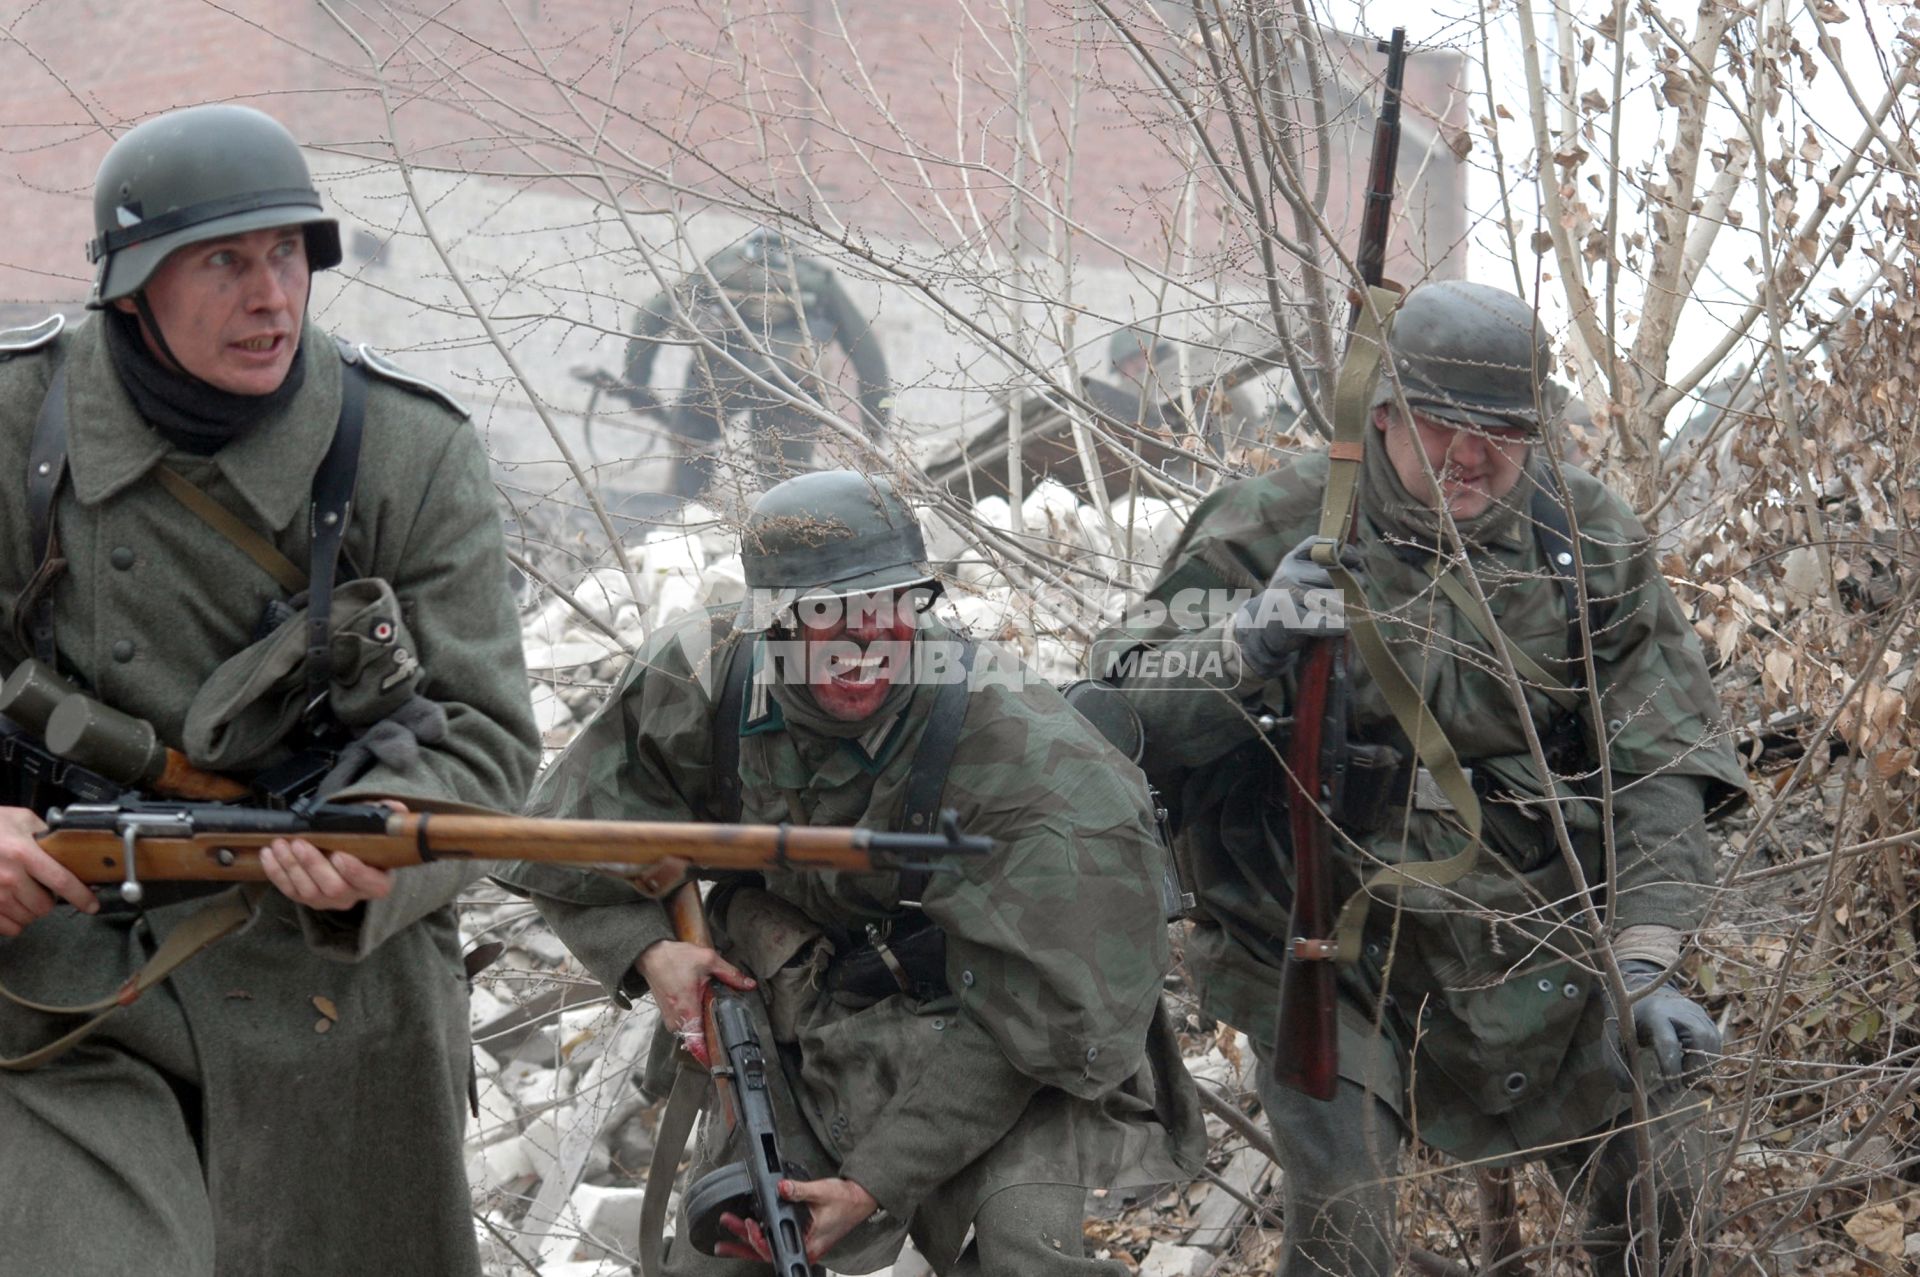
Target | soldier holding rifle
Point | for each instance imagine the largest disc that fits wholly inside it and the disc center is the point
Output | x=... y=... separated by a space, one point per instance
x=1466 y=984
x=946 y=1052
x=183 y=491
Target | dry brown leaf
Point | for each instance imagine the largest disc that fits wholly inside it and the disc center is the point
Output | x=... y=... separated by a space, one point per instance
x=1879 y=1228
x=322 y=1025
x=325 y=1007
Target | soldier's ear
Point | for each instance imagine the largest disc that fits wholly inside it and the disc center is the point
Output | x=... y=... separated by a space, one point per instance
x=125 y=306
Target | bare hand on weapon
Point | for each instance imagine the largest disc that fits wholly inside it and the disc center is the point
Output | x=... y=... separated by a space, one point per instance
x=30 y=879
x=678 y=973
x=317 y=879
x=835 y=1208
x=1300 y=603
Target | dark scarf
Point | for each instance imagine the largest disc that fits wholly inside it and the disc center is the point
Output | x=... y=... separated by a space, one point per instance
x=187 y=412
x=1402 y=517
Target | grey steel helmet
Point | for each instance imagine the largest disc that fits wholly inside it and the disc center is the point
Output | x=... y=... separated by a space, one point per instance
x=194 y=175
x=1470 y=353
x=827 y=535
x=758 y=261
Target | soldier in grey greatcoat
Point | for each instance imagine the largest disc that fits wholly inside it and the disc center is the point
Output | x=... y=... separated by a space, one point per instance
x=291 y=1100
x=1475 y=1012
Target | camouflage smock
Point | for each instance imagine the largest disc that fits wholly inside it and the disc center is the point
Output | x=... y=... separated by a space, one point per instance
x=1489 y=975
x=151 y=602
x=1037 y=1068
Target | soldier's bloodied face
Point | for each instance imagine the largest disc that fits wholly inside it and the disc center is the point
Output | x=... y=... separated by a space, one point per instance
x=231 y=309
x=857 y=648
x=1474 y=465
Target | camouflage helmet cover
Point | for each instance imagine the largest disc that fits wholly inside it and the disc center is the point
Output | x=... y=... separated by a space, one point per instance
x=827 y=535
x=1472 y=354
x=202 y=173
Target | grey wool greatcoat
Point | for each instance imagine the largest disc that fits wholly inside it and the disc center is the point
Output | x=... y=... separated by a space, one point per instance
x=224 y=1124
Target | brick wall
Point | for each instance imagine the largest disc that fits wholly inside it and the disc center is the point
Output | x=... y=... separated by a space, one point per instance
x=904 y=148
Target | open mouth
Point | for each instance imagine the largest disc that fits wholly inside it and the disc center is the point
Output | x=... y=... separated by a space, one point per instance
x=264 y=345
x=861 y=671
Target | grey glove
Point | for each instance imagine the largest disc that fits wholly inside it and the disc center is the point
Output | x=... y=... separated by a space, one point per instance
x=1300 y=603
x=1678 y=1029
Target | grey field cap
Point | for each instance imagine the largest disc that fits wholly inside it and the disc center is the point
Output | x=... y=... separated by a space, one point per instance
x=1470 y=353
x=827 y=535
x=188 y=176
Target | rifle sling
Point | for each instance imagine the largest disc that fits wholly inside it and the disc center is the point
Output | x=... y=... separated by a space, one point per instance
x=231 y=526
x=684 y=1103
x=1352 y=393
x=219 y=917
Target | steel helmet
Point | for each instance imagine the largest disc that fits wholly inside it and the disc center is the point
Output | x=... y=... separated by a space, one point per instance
x=1472 y=354
x=827 y=535
x=194 y=175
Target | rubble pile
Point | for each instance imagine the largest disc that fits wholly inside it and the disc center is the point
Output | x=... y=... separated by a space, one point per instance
x=558 y=1155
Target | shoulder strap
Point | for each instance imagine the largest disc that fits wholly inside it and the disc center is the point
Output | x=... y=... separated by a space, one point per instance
x=725 y=803
x=932 y=759
x=46 y=471
x=327 y=515
x=1554 y=532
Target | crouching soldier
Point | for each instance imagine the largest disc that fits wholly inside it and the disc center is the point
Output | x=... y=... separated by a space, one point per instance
x=962 y=1050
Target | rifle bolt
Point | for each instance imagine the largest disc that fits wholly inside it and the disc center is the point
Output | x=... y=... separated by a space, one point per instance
x=1266 y=722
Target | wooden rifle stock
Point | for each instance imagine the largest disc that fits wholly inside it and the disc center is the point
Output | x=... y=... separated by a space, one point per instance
x=1306 y=1056
x=141 y=840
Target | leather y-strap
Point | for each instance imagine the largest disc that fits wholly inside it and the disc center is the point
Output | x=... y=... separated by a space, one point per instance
x=46 y=471
x=1352 y=398
x=220 y=916
x=932 y=760
x=327 y=516
x=724 y=803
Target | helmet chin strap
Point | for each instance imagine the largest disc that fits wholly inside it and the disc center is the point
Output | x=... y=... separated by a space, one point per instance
x=151 y=324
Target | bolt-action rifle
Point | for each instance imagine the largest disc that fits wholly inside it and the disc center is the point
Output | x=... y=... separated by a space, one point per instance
x=1307 y=1055
x=135 y=840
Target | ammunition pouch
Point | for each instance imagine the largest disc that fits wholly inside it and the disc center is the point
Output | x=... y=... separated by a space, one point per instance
x=1374 y=789
x=910 y=958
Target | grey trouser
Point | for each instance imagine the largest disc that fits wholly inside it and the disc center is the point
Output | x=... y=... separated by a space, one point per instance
x=1337 y=1162
x=1031 y=1230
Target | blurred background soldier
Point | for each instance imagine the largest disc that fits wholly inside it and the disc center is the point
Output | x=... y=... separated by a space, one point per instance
x=759 y=345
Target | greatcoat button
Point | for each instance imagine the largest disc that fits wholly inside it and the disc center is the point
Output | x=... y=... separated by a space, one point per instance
x=122 y=557
x=123 y=651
